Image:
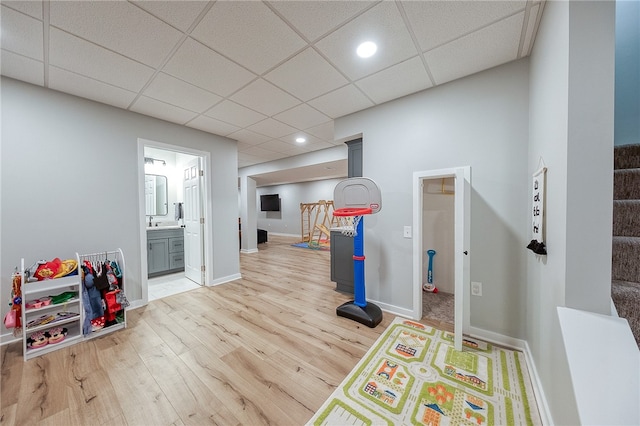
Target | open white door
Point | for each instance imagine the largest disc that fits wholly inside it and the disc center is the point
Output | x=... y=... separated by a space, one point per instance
x=462 y=238
x=193 y=222
x=461 y=259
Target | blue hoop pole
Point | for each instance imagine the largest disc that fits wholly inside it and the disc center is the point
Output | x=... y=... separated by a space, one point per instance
x=358 y=266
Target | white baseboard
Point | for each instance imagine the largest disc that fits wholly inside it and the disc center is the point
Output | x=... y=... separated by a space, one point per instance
x=497 y=338
x=395 y=310
x=522 y=346
x=280 y=234
x=536 y=383
x=7 y=338
x=249 y=251
x=226 y=279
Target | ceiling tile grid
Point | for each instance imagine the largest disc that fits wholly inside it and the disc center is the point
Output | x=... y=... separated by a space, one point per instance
x=21 y=34
x=249 y=33
x=79 y=85
x=260 y=72
x=21 y=68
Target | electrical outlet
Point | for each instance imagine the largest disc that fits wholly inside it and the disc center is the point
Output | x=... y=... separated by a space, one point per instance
x=476 y=288
x=407 y=232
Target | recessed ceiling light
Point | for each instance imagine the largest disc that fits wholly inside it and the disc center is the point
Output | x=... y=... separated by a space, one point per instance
x=300 y=140
x=367 y=49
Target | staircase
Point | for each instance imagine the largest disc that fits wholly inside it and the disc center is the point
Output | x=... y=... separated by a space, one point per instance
x=625 y=268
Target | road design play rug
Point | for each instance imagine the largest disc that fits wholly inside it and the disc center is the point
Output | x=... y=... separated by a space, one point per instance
x=412 y=375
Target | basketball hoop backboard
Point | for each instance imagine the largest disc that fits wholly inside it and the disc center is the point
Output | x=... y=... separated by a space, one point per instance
x=357 y=193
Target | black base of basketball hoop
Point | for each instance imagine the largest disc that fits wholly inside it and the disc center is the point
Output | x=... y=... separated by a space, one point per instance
x=370 y=315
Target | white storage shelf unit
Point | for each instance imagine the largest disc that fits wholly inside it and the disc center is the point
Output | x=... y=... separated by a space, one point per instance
x=69 y=314
x=40 y=289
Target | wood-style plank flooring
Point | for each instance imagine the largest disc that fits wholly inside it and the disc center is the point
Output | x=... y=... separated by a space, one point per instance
x=265 y=349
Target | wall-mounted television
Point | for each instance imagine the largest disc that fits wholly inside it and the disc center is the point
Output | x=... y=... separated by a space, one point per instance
x=270 y=203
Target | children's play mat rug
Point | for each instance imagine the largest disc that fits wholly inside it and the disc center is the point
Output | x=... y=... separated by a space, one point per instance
x=412 y=375
x=314 y=245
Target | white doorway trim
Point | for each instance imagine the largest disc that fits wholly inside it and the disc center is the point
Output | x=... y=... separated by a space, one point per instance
x=208 y=208
x=462 y=238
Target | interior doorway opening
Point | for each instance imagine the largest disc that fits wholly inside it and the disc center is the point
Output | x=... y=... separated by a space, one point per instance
x=438 y=218
x=441 y=222
x=173 y=210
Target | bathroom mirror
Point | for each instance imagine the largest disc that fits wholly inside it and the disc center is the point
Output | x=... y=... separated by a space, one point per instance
x=155 y=195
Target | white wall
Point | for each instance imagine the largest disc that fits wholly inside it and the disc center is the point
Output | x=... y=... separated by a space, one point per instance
x=480 y=121
x=287 y=220
x=70 y=181
x=571 y=129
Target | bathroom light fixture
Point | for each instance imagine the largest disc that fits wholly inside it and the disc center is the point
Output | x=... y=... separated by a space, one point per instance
x=301 y=140
x=367 y=49
x=149 y=160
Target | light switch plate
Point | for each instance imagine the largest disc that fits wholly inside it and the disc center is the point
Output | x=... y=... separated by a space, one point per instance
x=476 y=288
x=407 y=232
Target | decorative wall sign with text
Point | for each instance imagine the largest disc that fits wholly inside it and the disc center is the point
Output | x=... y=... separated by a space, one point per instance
x=537 y=212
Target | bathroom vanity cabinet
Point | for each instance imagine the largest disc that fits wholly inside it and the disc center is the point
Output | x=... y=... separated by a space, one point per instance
x=165 y=251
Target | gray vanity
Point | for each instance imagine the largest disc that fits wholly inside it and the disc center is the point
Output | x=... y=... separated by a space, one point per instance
x=165 y=250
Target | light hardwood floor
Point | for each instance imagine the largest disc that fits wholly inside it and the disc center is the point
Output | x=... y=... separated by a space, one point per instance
x=265 y=349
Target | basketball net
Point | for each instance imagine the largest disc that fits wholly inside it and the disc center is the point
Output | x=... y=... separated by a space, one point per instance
x=348 y=225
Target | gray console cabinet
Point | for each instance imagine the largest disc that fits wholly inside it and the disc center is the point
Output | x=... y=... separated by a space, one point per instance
x=165 y=251
x=342 y=261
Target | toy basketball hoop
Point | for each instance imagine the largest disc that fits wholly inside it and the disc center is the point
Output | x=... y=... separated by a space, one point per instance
x=349 y=218
x=354 y=198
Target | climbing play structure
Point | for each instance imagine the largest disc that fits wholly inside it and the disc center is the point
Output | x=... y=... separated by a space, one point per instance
x=316 y=220
x=355 y=198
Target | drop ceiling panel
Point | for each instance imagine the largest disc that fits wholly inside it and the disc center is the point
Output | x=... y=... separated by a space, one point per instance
x=118 y=26
x=234 y=113
x=249 y=33
x=21 y=68
x=88 y=88
x=264 y=153
x=383 y=25
x=161 y=110
x=276 y=145
x=437 y=22
x=176 y=92
x=201 y=66
x=272 y=128
x=298 y=72
x=31 y=8
x=341 y=102
x=323 y=131
x=486 y=48
x=399 y=80
x=212 y=125
x=249 y=137
x=265 y=98
x=81 y=57
x=21 y=34
x=180 y=14
x=316 y=18
x=302 y=117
